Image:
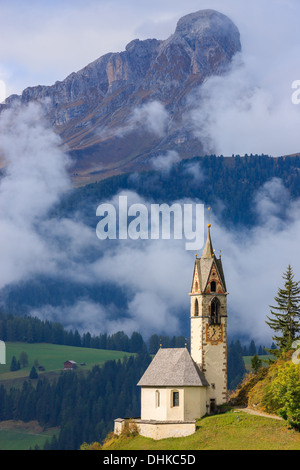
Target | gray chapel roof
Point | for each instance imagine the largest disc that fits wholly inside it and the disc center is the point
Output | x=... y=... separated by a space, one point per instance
x=173 y=367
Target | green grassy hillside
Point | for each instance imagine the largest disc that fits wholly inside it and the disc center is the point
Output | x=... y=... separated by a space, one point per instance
x=52 y=358
x=17 y=435
x=233 y=430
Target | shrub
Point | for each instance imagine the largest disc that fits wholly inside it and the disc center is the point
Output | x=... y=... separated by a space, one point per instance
x=283 y=393
x=130 y=429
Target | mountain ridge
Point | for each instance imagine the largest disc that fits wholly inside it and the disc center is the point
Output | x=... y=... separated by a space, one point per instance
x=103 y=112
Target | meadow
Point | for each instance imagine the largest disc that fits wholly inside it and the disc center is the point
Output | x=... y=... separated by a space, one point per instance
x=233 y=430
x=17 y=435
x=52 y=358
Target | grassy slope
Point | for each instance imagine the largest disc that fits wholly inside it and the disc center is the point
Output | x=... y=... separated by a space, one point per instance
x=16 y=435
x=228 y=431
x=53 y=356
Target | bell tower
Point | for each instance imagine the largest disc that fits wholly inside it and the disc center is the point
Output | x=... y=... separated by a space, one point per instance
x=209 y=322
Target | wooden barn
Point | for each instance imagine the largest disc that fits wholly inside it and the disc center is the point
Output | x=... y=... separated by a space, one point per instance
x=70 y=365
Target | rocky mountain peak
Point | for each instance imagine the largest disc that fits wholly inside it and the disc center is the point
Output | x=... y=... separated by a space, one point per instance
x=205 y=22
x=92 y=109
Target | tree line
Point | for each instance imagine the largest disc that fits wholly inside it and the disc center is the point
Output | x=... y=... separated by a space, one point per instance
x=33 y=330
x=82 y=405
x=244 y=175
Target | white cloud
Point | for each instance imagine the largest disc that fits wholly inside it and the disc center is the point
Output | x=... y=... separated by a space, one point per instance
x=249 y=110
x=238 y=114
x=165 y=161
x=85 y=315
x=151 y=117
x=35 y=179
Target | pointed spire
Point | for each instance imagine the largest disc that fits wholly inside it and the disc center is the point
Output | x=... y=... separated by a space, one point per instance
x=208 y=251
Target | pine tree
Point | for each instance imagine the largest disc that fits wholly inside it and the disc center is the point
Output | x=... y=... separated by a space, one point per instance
x=14 y=364
x=286 y=314
x=23 y=359
x=252 y=348
x=256 y=363
x=153 y=345
x=33 y=373
x=235 y=365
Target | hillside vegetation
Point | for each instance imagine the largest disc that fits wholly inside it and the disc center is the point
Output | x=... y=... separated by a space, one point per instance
x=274 y=389
x=233 y=430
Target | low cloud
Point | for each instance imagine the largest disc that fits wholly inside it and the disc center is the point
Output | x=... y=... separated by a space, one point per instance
x=195 y=171
x=249 y=109
x=151 y=117
x=35 y=179
x=156 y=274
x=164 y=162
x=86 y=315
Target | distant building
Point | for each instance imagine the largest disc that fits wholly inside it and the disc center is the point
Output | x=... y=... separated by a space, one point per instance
x=70 y=365
x=179 y=387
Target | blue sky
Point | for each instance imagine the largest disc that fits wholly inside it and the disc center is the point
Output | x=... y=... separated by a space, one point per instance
x=42 y=41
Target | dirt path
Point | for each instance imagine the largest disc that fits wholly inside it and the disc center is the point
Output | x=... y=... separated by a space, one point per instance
x=254 y=412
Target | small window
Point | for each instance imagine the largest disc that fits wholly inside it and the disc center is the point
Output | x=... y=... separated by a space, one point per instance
x=213 y=286
x=175 y=398
x=196 y=287
x=196 y=311
x=157 y=398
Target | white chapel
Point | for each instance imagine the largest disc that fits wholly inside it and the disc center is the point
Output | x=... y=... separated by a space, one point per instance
x=179 y=387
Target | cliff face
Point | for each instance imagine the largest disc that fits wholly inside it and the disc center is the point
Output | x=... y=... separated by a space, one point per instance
x=100 y=112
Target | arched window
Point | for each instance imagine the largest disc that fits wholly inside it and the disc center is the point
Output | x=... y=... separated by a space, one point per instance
x=196 y=287
x=196 y=311
x=215 y=311
x=213 y=286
